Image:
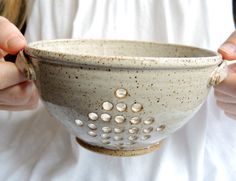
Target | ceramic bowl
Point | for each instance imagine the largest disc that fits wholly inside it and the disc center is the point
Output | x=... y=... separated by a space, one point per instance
x=121 y=97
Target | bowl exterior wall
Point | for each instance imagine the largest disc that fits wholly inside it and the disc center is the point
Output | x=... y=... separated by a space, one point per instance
x=121 y=108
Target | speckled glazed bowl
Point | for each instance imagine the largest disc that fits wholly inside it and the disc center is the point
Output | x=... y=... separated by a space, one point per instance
x=121 y=97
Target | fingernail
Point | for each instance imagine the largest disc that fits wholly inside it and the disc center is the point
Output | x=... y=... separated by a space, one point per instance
x=228 y=48
x=14 y=42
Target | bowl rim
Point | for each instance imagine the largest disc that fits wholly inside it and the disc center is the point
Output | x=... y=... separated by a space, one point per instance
x=141 y=62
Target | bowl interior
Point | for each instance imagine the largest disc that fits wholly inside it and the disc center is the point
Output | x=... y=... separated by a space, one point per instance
x=120 y=48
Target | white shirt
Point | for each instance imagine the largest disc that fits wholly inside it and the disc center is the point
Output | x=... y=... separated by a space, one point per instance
x=34 y=146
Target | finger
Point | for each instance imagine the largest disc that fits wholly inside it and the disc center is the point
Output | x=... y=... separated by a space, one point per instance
x=9 y=75
x=228 y=48
x=228 y=86
x=17 y=95
x=32 y=104
x=227 y=107
x=222 y=97
x=11 y=39
x=230 y=115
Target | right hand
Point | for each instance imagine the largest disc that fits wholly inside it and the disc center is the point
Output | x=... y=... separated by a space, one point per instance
x=16 y=93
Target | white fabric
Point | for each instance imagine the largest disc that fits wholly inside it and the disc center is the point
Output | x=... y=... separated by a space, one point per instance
x=33 y=146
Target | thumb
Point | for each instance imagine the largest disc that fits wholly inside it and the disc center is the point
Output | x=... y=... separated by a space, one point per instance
x=228 y=48
x=11 y=39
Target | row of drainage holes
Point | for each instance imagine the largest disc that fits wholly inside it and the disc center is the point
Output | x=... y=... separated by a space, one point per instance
x=119 y=130
x=105 y=117
x=119 y=145
x=120 y=119
x=120 y=138
x=121 y=107
x=132 y=139
x=133 y=130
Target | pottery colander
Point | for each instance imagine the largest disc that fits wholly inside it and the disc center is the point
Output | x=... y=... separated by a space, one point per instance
x=121 y=97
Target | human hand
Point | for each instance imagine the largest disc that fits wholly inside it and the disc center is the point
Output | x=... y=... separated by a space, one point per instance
x=225 y=92
x=16 y=93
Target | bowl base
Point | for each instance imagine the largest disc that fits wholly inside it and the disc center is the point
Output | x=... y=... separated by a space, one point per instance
x=123 y=153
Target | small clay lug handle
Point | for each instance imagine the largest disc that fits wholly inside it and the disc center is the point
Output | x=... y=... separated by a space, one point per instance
x=219 y=74
x=25 y=66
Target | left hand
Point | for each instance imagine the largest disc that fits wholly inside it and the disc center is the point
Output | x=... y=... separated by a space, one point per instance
x=225 y=92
